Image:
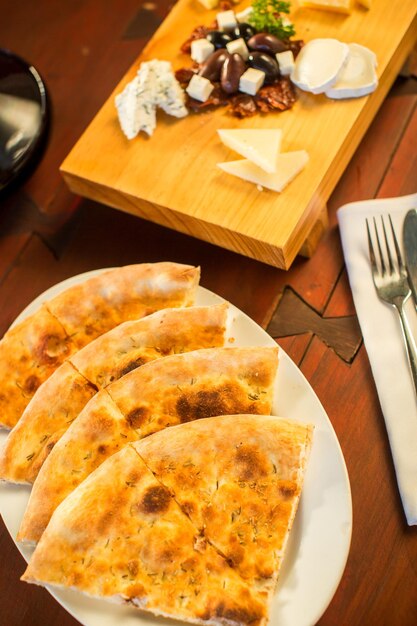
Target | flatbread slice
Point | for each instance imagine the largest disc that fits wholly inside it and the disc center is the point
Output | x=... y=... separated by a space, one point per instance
x=29 y=353
x=32 y=350
x=93 y=307
x=198 y=384
x=121 y=536
x=44 y=420
x=62 y=397
x=103 y=431
x=239 y=480
x=163 y=393
x=131 y=344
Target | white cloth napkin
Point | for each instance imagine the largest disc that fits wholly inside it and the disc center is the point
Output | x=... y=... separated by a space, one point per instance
x=383 y=339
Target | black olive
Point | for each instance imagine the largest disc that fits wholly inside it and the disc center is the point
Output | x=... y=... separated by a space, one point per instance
x=232 y=70
x=264 y=42
x=266 y=64
x=212 y=66
x=218 y=38
x=246 y=31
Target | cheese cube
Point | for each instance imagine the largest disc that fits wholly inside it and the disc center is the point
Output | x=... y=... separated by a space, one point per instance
x=226 y=20
x=285 y=62
x=201 y=49
x=243 y=16
x=199 y=88
x=251 y=81
x=238 y=46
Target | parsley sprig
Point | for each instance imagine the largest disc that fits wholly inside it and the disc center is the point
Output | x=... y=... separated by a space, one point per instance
x=266 y=17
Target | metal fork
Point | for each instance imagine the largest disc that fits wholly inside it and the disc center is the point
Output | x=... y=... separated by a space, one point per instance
x=392 y=286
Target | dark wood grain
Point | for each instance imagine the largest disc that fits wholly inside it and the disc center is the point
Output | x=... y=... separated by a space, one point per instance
x=46 y=235
x=294 y=317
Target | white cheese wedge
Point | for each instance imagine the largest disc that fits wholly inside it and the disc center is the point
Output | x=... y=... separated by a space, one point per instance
x=259 y=145
x=340 y=6
x=358 y=77
x=318 y=64
x=288 y=164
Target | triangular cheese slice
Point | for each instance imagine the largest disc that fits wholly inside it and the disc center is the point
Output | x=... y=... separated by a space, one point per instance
x=239 y=479
x=260 y=146
x=288 y=165
x=121 y=536
x=159 y=394
x=128 y=346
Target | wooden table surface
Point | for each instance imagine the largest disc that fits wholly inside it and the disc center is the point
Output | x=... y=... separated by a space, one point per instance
x=82 y=48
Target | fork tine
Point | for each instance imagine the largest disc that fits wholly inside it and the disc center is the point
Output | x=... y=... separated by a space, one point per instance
x=397 y=247
x=381 y=256
x=371 y=249
x=391 y=264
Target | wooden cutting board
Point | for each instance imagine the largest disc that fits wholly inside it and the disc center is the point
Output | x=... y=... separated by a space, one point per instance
x=172 y=178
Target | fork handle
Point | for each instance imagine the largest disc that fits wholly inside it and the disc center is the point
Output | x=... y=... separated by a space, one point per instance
x=409 y=344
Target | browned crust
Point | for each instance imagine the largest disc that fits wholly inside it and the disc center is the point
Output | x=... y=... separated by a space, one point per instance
x=239 y=479
x=32 y=350
x=63 y=396
x=139 y=546
x=164 y=392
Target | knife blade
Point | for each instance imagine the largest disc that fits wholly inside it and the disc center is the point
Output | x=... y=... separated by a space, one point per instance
x=410 y=249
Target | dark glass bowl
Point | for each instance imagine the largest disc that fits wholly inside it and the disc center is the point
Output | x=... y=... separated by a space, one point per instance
x=24 y=119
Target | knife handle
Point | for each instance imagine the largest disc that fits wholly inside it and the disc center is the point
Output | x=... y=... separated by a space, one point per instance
x=409 y=344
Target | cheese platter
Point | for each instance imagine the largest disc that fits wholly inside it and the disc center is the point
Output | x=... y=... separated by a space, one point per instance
x=173 y=175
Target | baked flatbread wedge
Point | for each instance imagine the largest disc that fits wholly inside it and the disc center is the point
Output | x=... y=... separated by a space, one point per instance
x=98 y=304
x=159 y=394
x=239 y=480
x=29 y=353
x=65 y=393
x=32 y=350
x=121 y=536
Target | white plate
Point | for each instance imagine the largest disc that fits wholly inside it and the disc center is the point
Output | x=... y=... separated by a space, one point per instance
x=320 y=539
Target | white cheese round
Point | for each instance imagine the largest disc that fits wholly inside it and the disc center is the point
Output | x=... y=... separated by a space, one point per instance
x=318 y=64
x=357 y=77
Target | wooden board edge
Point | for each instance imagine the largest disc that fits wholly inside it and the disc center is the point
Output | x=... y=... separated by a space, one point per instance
x=206 y=231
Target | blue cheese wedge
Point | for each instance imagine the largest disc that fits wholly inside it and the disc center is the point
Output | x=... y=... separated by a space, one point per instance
x=259 y=145
x=169 y=95
x=135 y=106
x=154 y=86
x=358 y=76
x=288 y=165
